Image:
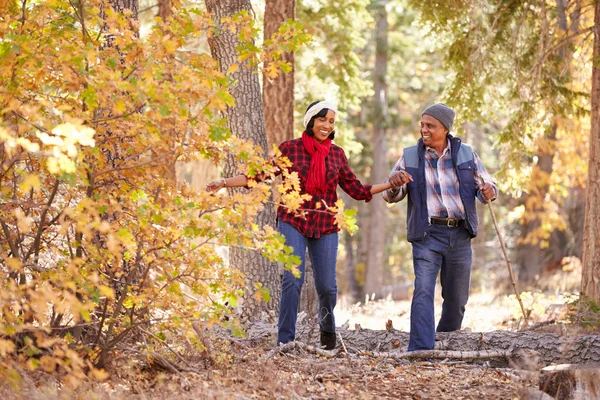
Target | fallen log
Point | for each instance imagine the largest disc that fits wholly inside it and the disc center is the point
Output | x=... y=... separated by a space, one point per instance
x=544 y=348
x=568 y=381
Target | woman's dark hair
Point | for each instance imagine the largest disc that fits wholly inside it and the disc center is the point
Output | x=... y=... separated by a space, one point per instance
x=311 y=123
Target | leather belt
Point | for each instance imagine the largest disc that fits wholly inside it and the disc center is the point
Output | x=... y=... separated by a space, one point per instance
x=449 y=222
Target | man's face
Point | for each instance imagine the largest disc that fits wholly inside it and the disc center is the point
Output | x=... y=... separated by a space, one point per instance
x=433 y=132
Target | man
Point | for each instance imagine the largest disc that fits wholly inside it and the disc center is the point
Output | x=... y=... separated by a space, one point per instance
x=442 y=177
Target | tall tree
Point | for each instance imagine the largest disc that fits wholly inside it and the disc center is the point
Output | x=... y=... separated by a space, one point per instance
x=246 y=121
x=590 y=282
x=533 y=252
x=380 y=168
x=521 y=64
x=278 y=92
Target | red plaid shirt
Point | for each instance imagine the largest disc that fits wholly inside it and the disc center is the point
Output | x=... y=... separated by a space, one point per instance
x=318 y=222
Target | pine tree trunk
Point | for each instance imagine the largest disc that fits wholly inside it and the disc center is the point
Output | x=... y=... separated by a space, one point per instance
x=122 y=5
x=379 y=170
x=278 y=93
x=546 y=348
x=245 y=120
x=590 y=280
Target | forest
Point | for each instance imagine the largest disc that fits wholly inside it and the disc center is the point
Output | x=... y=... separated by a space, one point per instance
x=142 y=252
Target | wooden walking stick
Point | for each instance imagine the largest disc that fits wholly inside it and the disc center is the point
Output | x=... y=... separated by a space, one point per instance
x=508 y=263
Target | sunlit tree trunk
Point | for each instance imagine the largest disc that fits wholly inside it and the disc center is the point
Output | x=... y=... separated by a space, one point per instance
x=131 y=5
x=531 y=257
x=590 y=281
x=380 y=169
x=120 y=287
x=246 y=120
x=164 y=9
x=278 y=93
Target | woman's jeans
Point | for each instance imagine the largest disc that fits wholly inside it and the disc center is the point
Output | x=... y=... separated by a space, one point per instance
x=323 y=255
x=447 y=250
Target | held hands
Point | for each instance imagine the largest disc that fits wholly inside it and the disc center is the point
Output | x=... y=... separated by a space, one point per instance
x=400 y=178
x=215 y=185
x=487 y=191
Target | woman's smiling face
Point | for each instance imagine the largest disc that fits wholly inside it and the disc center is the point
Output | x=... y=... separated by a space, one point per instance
x=323 y=126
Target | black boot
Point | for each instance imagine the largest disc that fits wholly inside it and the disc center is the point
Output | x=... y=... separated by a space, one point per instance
x=328 y=340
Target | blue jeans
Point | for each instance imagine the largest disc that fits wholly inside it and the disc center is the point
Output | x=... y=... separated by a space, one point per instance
x=323 y=255
x=447 y=250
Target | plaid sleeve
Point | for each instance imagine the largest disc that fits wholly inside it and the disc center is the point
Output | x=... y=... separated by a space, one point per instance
x=394 y=195
x=350 y=183
x=482 y=177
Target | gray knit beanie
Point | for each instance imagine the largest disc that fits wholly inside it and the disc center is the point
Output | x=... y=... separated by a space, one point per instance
x=442 y=113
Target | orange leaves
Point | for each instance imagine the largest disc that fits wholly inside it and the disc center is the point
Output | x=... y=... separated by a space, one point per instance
x=94 y=118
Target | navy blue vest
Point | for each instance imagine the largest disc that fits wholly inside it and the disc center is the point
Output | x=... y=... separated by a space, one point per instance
x=418 y=218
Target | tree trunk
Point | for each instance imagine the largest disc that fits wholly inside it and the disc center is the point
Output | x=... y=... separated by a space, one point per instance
x=122 y=5
x=278 y=93
x=544 y=348
x=531 y=258
x=590 y=280
x=164 y=9
x=379 y=170
x=245 y=120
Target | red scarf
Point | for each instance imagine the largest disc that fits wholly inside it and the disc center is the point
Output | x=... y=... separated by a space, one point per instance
x=316 y=173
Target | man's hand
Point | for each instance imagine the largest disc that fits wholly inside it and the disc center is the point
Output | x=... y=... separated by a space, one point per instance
x=400 y=178
x=487 y=191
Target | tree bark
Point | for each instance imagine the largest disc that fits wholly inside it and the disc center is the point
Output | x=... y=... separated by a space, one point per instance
x=530 y=256
x=245 y=120
x=590 y=280
x=122 y=5
x=164 y=9
x=546 y=348
x=278 y=93
x=379 y=170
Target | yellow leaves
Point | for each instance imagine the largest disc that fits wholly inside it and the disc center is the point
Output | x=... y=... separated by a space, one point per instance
x=6 y=347
x=170 y=46
x=48 y=363
x=24 y=222
x=31 y=181
x=11 y=142
x=13 y=263
x=345 y=219
x=232 y=69
x=63 y=145
x=98 y=374
x=107 y=292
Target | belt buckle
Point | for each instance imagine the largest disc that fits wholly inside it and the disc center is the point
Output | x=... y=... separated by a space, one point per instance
x=449 y=223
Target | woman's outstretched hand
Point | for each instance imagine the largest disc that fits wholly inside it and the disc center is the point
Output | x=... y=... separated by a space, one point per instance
x=215 y=185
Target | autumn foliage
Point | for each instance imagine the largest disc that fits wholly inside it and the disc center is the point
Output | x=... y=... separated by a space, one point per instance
x=100 y=245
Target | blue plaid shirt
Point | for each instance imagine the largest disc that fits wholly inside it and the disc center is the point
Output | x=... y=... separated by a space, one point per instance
x=443 y=197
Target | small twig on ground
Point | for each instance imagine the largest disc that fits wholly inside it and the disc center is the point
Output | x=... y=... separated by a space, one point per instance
x=342 y=342
x=163 y=362
x=287 y=347
x=166 y=345
x=539 y=325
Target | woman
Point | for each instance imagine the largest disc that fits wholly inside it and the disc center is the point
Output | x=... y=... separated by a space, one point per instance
x=321 y=167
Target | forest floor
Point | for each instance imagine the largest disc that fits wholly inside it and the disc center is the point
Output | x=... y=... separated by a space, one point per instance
x=242 y=371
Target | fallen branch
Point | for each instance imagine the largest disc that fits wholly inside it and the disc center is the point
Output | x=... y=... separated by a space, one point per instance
x=171 y=367
x=440 y=354
x=287 y=347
